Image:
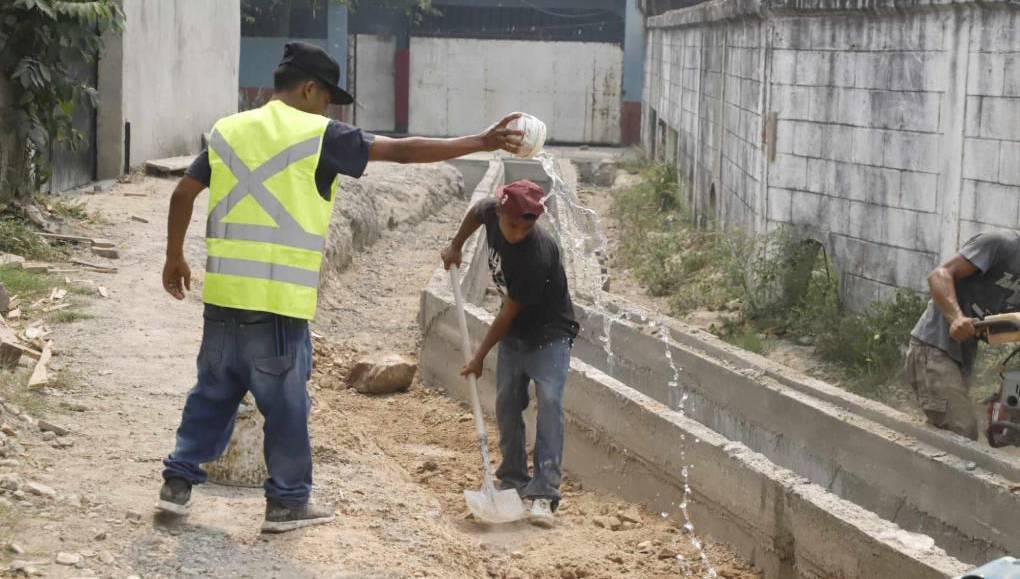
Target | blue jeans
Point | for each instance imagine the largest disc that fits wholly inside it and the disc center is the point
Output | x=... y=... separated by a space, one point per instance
x=271 y=357
x=517 y=366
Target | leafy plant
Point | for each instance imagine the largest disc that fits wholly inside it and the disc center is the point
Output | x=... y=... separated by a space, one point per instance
x=41 y=44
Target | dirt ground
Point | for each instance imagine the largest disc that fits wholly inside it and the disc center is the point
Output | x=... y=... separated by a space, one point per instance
x=394 y=465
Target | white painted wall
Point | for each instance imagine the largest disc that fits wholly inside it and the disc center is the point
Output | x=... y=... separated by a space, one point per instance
x=180 y=72
x=460 y=86
x=898 y=134
x=374 y=82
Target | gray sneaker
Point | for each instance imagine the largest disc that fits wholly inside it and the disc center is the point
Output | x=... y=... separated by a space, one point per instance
x=175 y=496
x=281 y=518
x=541 y=514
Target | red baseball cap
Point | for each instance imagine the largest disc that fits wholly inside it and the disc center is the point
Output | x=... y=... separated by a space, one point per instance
x=522 y=199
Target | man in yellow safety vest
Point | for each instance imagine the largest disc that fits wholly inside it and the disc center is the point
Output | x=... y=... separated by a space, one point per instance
x=272 y=175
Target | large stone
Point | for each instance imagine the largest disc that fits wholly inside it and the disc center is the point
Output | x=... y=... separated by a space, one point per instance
x=243 y=463
x=382 y=374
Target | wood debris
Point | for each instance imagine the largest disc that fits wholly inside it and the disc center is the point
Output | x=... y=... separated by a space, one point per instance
x=36 y=267
x=139 y=219
x=14 y=314
x=39 y=375
x=103 y=243
x=94 y=267
x=135 y=195
x=56 y=308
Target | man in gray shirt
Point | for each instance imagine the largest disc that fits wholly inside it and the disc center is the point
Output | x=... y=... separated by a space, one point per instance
x=983 y=279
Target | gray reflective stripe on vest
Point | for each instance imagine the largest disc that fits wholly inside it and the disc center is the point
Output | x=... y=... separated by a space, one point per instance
x=252 y=182
x=262 y=270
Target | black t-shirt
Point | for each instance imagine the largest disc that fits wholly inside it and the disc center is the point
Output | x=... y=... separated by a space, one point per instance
x=530 y=273
x=344 y=152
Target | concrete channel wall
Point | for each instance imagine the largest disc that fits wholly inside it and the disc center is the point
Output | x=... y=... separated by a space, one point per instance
x=623 y=438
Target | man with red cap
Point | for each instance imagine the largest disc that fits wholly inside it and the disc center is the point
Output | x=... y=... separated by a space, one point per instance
x=535 y=330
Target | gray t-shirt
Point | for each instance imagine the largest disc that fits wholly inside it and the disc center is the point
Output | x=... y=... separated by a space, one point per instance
x=995 y=289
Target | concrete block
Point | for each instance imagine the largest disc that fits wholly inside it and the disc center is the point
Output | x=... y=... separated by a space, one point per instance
x=972 y=124
x=981 y=159
x=1011 y=74
x=805 y=137
x=867 y=146
x=996 y=204
x=929 y=232
x=911 y=151
x=853 y=107
x=1009 y=163
x=1000 y=118
x=918 y=191
x=870 y=70
x=813 y=68
x=911 y=111
x=780 y=204
x=821 y=177
x=916 y=71
x=987 y=74
x=793 y=102
x=808 y=209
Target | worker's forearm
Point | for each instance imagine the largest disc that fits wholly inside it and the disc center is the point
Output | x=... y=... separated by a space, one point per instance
x=426 y=150
x=943 y=293
x=181 y=207
x=500 y=327
x=468 y=226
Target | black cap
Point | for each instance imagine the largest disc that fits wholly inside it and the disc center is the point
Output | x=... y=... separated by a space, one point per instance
x=315 y=61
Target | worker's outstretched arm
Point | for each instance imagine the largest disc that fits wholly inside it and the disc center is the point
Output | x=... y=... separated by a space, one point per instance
x=452 y=254
x=500 y=326
x=942 y=284
x=426 y=150
x=176 y=274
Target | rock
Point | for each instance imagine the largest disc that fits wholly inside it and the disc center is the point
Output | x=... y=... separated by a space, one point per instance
x=40 y=489
x=805 y=341
x=630 y=515
x=611 y=523
x=50 y=427
x=107 y=252
x=428 y=466
x=517 y=555
x=10 y=259
x=10 y=482
x=133 y=516
x=645 y=546
x=667 y=553
x=68 y=559
x=63 y=443
x=49 y=436
x=382 y=374
x=15 y=548
x=605 y=174
x=100 y=536
x=9 y=430
x=243 y=463
x=615 y=558
x=106 y=558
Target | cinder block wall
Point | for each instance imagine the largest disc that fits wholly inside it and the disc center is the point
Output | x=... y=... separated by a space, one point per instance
x=896 y=125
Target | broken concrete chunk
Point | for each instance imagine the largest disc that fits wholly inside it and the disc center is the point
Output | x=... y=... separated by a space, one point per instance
x=169 y=166
x=50 y=427
x=107 y=252
x=10 y=259
x=40 y=489
x=382 y=374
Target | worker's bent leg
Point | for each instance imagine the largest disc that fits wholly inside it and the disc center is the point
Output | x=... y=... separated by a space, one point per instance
x=942 y=389
x=208 y=417
x=511 y=400
x=548 y=367
x=279 y=354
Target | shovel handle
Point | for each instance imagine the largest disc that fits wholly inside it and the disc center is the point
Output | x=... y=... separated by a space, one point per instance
x=476 y=406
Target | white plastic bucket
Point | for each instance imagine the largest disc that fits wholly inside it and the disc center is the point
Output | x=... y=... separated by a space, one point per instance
x=534 y=135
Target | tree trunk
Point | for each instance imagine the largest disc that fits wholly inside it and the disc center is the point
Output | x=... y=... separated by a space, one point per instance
x=242 y=464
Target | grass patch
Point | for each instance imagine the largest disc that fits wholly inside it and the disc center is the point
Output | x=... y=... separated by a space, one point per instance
x=20 y=239
x=69 y=316
x=14 y=388
x=25 y=283
x=783 y=284
x=68 y=209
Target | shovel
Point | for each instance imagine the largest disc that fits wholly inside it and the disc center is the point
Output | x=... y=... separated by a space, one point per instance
x=486 y=504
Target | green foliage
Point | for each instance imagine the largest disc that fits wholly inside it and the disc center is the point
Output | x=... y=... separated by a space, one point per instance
x=67 y=317
x=782 y=283
x=16 y=237
x=26 y=284
x=41 y=43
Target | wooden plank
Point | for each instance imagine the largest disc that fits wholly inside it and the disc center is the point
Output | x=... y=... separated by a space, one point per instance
x=10 y=356
x=139 y=219
x=6 y=333
x=169 y=166
x=34 y=354
x=62 y=237
x=103 y=243
x=36 y=267
x=39 y=375
x=136 y=195
x=94 y=266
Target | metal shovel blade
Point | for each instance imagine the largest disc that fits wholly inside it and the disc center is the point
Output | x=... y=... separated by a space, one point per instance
x=495 y=506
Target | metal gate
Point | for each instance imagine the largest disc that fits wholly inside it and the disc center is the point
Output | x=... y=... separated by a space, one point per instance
x=76 y=168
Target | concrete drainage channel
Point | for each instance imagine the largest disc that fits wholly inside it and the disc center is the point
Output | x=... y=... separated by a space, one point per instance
x=798 y=477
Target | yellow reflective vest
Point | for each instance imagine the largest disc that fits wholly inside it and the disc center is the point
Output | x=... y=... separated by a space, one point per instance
x=267 y=222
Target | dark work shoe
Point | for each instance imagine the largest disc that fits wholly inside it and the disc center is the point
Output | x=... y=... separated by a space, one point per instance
x=281 y=518
x=175 y=496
